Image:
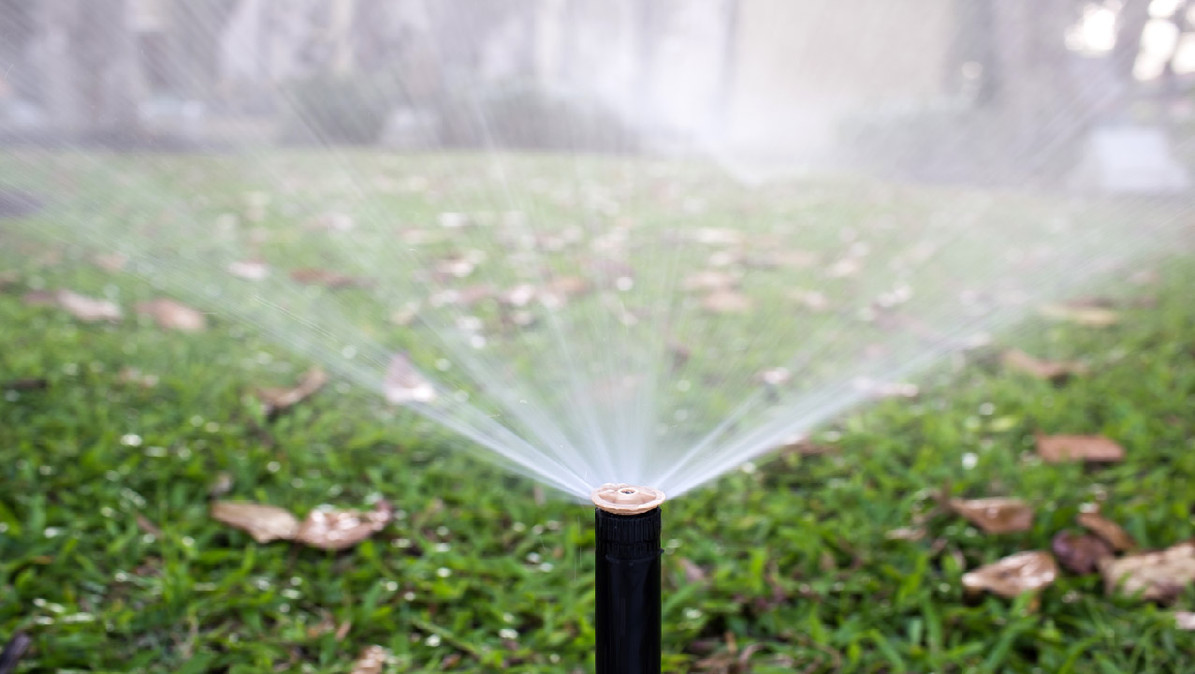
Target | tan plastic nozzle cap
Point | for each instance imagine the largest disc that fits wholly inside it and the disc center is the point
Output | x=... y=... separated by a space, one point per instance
x=626 y=499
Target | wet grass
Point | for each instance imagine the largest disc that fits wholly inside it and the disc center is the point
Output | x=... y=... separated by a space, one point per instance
x=109 y=560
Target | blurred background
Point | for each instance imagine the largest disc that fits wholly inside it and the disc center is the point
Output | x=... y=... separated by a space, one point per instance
x=940 y=89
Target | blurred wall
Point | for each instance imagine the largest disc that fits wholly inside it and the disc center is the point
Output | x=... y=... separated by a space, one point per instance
x=802 y=68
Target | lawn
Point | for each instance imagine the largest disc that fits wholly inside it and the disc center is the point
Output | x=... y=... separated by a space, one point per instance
x=110 y=561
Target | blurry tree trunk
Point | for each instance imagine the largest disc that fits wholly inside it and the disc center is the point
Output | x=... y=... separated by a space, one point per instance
x=107 y=49
x=56 y=24
x=650 y=20
x=1040 y=111
x=88 y=55
x=726 y=78
x=1130 y=23
x=195 y=32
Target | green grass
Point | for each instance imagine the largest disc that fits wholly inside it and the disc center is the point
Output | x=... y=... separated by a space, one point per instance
x=795 y=558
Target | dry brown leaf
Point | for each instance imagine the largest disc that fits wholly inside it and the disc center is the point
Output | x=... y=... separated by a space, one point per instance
x=775 y=376
x=793 y=259
x=1159 y=576
x=727 y=302
x=812 y=300
x=9 y=278
x=172 y=315
x=263 y=522
x=250 y=270
x=40 y=298
x=372 y=660
x=1089 y=448
x=1056 y=371
x=1109 y=531
x=1089 y=316
x=709 y=280
x=995 y=515
x=562 y=289
x=801 y=444
x=110 y=262
x=132 y=375
x=333 y=222
x=404 y=384
x=1013 y=575
x=327 y=278
x=693 y=572
x=87 y=308
x=905 y=534
x=278 y=400
x=221 y=485
x=331 y=529
x=1079 y=553
x=147 y=526
x=26 y=384
x=1184 y=620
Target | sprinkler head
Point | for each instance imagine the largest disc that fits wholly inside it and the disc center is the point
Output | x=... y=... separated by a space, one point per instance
x=626 y=499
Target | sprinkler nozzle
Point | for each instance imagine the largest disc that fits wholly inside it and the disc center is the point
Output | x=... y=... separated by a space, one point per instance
x=626 y=499
x=627 y=588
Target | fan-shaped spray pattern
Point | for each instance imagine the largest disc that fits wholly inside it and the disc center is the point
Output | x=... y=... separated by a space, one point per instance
x=587 y=318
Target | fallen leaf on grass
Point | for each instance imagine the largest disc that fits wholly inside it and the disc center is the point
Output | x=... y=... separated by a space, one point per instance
x=709 y=280
x=278 y=400
x=727 y=302
x=802 y=445
x=403 y=383
x=325 y=277
x=1056 y=371
x=1013 y=575
x=333 y=222
x=110 y=262
x=1088 y=316
x=693 y=572
x=1110 y=532
x=331 y=529
x=26 y=384
x=172 y=315
x=561 y=290
x=1079 y=553
x=264 y=523
x=1089 y=448
x=147 y=526
x=905 y=534
x=995 y=515
x=372 y=660
x=221 y=485
x=40 y=298
x=250 y=270
x=1159 y=576
x=776 y=376
x=132 y=375
x=812 y=300
x=86 y=309
x=1185 y=620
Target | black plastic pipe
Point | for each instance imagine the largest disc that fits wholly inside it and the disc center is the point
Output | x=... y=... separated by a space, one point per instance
x=628 y=592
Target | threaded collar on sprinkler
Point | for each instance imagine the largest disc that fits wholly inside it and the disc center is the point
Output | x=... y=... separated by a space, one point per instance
x=626 y=499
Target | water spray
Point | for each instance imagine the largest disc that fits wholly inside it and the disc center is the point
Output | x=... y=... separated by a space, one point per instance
x=628 y=578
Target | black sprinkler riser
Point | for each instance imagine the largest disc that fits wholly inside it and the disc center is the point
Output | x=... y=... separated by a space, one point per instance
x=628 y=592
